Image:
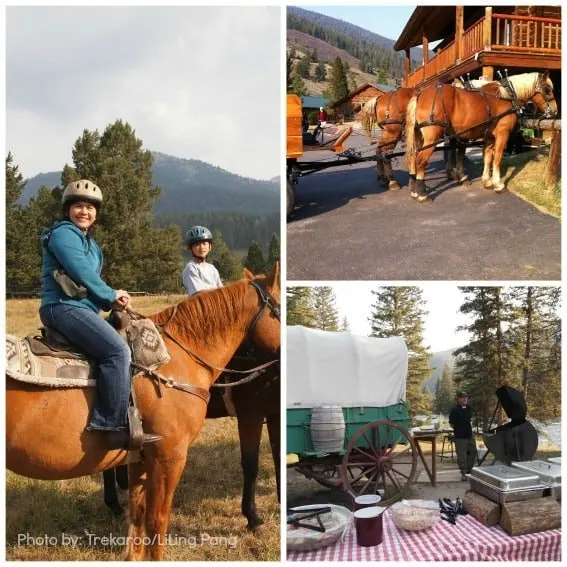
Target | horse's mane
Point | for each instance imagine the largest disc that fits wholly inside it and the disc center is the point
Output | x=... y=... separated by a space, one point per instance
x=367 y=114
x=525 y=84
x=205 y=314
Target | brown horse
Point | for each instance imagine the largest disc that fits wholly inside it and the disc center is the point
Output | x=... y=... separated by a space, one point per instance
x=46 y=436
x=489 y=113
x=387 y=112
x=254 y=402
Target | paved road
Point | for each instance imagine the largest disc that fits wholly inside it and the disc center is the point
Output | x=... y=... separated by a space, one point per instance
x=346 y=227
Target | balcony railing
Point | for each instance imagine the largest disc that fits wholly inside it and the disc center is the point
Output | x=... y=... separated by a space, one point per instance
x=515 y=34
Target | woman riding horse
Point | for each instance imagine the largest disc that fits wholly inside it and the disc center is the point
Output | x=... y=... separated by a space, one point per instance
x=490 y=113
x=201 y=334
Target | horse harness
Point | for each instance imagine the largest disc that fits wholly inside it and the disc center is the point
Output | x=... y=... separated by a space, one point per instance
x=446 y=123
x=266 y=301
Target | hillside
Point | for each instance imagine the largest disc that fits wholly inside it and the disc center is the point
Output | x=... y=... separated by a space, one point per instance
x=437 y=363
x=325 y=51
x=193 y=186
x=356 y=41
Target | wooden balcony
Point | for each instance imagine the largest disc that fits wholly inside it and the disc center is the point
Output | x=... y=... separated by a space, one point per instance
x=501 y=39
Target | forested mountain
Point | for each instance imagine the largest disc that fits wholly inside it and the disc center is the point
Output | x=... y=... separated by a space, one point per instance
x=193 y=186
x=437 y=363
x=373 y=51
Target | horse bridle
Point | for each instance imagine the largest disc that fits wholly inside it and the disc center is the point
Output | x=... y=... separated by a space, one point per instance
x=541 y=89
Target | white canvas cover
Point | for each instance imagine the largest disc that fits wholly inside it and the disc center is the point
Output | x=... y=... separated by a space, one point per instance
x=343 y=369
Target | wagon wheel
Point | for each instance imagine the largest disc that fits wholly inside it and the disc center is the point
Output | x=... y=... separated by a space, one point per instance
x=380 y=456
x=290 y=198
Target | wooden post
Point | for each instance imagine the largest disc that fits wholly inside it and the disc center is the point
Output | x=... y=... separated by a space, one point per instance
x=488 y=73
x=487 y=31
x=425 y=46
x=459 y=15
x=552 y=167
x=407 y=66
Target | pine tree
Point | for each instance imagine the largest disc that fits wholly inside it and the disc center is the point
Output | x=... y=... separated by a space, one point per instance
x=399 y=312
x=302 y=68
x=326 y=314
x=22 y=269
x=298 y=86
x=289 y=73
x=534 y=332
x=300 y=310
x=254 y=259
x=273 y=252
x=320 y=72
x=314 y=56
x=344 y=324
x=445 y=392
x=339 y=83
x=487 y=362
x=223 y=259
x=137 y=256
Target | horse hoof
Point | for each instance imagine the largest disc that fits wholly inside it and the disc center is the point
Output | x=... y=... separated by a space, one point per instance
x=257 y=529
x=500 y=189
x=487 y=184
x=414 y=194
x=394 y=186
x=424 y=199
x=465 y=180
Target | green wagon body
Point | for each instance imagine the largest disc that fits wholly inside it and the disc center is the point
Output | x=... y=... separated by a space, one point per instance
x=298 y=426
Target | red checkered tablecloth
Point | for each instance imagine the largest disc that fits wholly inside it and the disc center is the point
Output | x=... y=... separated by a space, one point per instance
x=469 y=540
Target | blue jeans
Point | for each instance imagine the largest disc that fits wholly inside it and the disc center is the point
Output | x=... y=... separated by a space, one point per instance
x=103 y=344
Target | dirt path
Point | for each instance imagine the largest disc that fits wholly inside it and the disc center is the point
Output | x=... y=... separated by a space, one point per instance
x=346 y=227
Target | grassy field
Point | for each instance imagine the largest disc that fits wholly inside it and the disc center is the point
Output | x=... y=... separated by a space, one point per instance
x=205 y=524
x=524 y=175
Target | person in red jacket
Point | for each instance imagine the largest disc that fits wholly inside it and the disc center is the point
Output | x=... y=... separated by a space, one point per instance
x=322 y=119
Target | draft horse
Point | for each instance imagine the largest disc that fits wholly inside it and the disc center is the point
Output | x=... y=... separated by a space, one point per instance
x=255 y=402
x=387 y=112
x=46 y=436
x=490 y=113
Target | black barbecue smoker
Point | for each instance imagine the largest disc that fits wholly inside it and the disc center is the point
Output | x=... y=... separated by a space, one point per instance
x=516 y=440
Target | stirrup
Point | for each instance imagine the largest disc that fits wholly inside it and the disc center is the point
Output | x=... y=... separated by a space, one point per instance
x=137 y=436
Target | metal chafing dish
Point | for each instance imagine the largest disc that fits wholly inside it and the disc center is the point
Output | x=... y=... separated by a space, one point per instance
x=501 y=483
x=549 y=473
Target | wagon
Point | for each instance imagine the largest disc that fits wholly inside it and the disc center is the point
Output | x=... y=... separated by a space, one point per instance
x=298 y=144
x=364 y=379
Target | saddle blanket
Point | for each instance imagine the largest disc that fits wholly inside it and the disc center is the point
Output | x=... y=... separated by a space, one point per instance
x=23 y=365
x=40 y=366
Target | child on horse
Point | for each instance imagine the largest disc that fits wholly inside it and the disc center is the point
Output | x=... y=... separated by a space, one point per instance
x=198 y=274
x=72 y=295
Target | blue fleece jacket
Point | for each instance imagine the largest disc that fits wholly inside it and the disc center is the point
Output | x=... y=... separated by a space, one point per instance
x=66 y=247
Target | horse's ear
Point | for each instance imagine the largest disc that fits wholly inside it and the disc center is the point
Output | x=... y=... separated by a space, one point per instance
x=248 y=274
x=274 y=275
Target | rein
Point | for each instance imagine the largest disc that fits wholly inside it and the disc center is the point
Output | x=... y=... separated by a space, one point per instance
x=266 y=301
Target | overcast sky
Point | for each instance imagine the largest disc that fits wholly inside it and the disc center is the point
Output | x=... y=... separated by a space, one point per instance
x=355 y=299
x=194 y=82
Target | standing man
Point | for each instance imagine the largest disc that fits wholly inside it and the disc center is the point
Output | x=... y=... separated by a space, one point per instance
x=322 y=119
x=460 y=420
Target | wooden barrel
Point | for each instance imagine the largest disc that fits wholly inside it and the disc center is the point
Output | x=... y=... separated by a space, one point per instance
x=327 y=429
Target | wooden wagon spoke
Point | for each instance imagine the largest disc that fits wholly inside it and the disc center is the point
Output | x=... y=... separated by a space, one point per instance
x=407 y=476
x=359 y=450
x=370 y=479
x=372 y=446
x=362 y=474
x=394 y=481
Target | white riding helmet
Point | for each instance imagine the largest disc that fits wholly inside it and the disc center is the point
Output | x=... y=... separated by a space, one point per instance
x=82 y=190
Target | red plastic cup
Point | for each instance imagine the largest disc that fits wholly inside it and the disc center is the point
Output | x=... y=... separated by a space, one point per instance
x=366 y=501
x=368 y=525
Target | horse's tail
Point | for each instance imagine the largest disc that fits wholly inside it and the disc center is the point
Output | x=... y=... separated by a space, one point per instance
x=410 y=133
x=367 y=115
